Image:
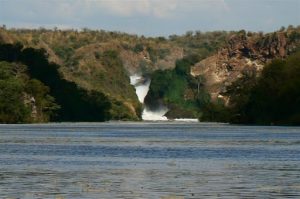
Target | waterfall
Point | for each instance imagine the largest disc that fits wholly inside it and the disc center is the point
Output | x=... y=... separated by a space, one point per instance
x=142 y=85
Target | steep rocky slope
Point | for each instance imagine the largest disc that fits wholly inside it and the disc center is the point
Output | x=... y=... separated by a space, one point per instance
x=243 y=53
x=102 y=61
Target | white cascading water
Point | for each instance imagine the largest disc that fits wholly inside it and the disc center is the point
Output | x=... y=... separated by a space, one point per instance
x=155 y=115
x=187 y=120
x=141 y=88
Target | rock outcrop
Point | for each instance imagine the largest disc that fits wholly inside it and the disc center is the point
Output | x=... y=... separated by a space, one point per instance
x=243 y=52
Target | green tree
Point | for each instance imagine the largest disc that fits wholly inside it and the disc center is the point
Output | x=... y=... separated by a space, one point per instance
x=272 y=98
x=12 y=107
x=44 y=102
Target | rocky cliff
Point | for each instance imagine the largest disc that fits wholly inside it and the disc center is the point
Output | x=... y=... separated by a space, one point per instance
x=102 y=61
x=242 y=53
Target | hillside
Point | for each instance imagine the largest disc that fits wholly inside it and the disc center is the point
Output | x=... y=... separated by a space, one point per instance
x=187 y=72
x=103 y=61
x=252 y=79
x=22 y=98
x=73 y=102
x=244 y=52
x=199 y=86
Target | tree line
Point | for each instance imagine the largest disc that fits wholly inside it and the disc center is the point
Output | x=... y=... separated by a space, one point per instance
x=269 y=98
x=76 y=104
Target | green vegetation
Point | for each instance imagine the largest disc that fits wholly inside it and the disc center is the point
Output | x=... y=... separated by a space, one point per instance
x=114 y=81
x=215 y=112
x=12 y=107
x=91 y=59
x=176 y=88
x=274 y=97
x=94 y=59
x=173 y=88
x=271 y=98
x=23 y=99
x=85 y=73
x=200 y=43
x=138 y=48
x=76 y=104
x=156 y=54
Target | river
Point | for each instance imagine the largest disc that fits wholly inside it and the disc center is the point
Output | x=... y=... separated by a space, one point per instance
x=160 y=160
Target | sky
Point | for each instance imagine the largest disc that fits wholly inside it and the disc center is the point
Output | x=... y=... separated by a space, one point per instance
x=151 y=17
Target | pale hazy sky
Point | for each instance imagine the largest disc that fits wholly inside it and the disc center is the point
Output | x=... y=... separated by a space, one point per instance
x=152 y=17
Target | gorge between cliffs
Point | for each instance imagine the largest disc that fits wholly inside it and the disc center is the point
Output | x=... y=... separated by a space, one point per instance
x=91 y=75
x=141 y=85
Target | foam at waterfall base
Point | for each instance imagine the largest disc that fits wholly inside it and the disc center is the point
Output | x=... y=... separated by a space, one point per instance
x=157 y=115
x=186 y=120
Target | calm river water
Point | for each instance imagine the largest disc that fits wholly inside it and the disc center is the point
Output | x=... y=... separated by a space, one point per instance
x=149 y=160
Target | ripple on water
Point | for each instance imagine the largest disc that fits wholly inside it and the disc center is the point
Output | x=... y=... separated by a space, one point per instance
x=149 y=160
